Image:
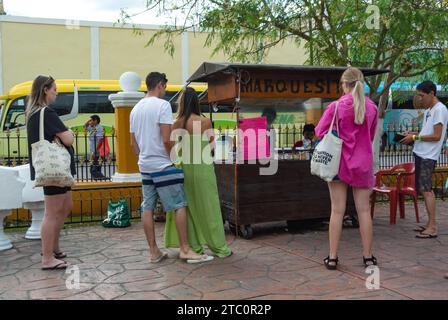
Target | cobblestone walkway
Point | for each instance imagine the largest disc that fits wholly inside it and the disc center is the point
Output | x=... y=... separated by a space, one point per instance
x=275 y=264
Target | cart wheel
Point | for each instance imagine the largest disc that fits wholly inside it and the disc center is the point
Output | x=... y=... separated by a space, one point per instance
x=246 y=232
x=232 y=228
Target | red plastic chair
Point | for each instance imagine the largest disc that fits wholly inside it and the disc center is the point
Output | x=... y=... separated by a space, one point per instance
x=298 y=144
x=405 y=186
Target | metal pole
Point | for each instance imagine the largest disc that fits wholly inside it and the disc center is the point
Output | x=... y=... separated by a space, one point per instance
x=236 y=198
x=235 y=183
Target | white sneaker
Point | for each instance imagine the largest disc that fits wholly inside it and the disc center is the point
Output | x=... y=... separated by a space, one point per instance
x=204 y=258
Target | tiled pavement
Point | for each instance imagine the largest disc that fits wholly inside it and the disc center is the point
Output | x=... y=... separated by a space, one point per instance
x=275 y=264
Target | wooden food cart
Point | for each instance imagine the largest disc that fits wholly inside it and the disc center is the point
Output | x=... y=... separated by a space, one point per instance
x=292 y=193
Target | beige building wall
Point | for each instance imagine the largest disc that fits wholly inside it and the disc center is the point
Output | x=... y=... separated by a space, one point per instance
x=92 y=50
x=32 y=49
x=121 y=50
x=287 y=52
x=198 y=53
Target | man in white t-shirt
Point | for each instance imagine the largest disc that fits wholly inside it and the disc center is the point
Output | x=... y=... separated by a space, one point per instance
x=427 y=149
x=150 y=126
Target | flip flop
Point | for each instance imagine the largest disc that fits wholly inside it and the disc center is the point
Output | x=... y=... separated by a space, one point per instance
x=160 y=258
x=204 y=258
x=60 y=266
x=426 y=236
x=419 y=229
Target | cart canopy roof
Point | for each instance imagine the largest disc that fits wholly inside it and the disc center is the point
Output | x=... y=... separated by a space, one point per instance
x=209 y=69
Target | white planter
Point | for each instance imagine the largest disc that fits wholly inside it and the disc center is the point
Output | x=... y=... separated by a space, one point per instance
x=33 y=200
x=126 y=177
x=5 y=243
x=37 y=211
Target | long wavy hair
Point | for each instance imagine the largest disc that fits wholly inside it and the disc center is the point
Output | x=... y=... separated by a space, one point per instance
x=354 y=79
x=37 y=98
x=188 y=105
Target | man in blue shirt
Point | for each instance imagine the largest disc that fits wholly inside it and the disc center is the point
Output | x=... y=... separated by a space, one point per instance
x=96 y=134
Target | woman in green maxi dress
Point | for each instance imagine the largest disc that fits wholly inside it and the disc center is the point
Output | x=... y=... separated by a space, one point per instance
x=205 y=224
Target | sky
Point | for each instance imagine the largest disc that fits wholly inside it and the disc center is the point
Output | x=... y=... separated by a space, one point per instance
x=91 y=10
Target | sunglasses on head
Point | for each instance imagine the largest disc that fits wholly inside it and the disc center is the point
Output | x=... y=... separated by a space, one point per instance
x=49 y=81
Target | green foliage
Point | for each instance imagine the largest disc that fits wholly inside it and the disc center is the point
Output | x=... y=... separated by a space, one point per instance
x=411 y=40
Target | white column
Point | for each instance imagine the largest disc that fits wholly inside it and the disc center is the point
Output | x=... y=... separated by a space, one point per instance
x=376 y=145
x=185 y=57
x=127 y=169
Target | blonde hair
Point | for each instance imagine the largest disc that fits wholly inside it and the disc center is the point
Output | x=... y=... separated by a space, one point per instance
x=37 y=98
x=354 y=79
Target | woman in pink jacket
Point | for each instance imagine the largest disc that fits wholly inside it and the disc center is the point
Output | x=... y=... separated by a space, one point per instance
x=357 y=119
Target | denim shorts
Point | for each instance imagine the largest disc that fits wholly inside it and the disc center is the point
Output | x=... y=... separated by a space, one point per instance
x=168 y=185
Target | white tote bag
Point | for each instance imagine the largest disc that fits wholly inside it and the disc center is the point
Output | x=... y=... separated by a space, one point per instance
x=327 y=154
x=51 y=161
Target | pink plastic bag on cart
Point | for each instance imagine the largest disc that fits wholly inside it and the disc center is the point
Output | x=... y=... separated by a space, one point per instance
x=253 y=138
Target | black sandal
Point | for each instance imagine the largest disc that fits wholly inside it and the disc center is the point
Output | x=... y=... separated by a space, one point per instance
x=373 y=260
x=58 y=255
x=327 y=261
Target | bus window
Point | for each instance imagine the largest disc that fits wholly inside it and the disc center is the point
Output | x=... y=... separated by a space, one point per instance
x=63 y=104
x=168 y=96
x=16 y=114
x=98 y=102
x=95 y=102
x=174 y=106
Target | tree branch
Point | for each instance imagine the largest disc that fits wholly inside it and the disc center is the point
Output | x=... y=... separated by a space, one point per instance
x=269 y=45
x=424 y=49
x=418 y=73
x=281 y=26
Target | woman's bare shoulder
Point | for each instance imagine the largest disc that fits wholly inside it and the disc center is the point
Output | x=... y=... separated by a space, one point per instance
x=178 y=123
x=206 y=121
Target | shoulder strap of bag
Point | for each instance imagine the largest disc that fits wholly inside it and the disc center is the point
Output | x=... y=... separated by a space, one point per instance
x=41 y=124
x=334 y=117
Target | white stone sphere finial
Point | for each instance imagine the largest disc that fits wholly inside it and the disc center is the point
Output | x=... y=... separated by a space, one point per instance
x=130 y=81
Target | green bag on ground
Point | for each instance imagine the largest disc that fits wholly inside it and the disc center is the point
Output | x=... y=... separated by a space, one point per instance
x=117 y=215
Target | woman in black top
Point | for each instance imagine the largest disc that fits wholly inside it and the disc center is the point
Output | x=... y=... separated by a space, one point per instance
x=58 y=201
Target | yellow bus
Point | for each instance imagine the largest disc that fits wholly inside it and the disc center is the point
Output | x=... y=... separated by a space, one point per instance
x=77 y=101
